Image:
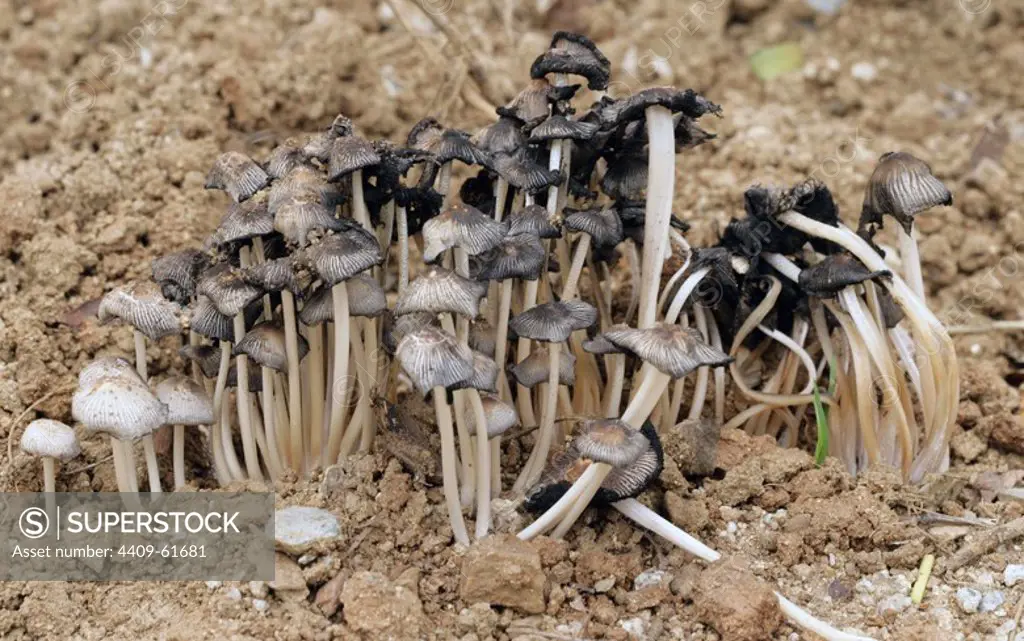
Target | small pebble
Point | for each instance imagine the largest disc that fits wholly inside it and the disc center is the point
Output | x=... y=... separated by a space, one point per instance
x=969 y=599
x=992 y=600
x=894 y=605
x=234 y=594
x=730 y=527
x=306 y=559
x=650 y=578
x=258 y=589
x=604 y=584
x=260 y=605
x=864 y=71
x=213 y=585
x=1013 y=574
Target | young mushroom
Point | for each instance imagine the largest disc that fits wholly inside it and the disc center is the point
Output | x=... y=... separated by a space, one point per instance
x=188 y=405
x=52 y=441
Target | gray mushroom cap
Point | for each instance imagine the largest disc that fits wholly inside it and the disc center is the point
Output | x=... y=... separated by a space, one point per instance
x=534 y=220
x=558 y=127
x=534 y=369
x=228 y=289
x=603 y=225
x=187 y=402
x=398 y=327
x=482 y=337
x=178 y=274
x=207 y=356
x=348 y=154
x=266 y=345
x=501 y=417
x=243 y=221
x=365 y=299
x=835 y=273
x=518 y=256
x=611 y=441
x=142 y=305
x=296 y=220
x=276 y=275
x=902 y=186
x=119 y=406
x=463 y=226
x=554 y=322
x=485 y=375
x=439 y=290
x=341 y=256
x=238 y=175
x=46 y=437
x=671 y=349
x=433 y=358
x=600 y=345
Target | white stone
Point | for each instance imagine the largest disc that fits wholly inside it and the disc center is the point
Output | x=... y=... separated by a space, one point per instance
x=649 y=578
x=604 y=584
x=258 y=589
x=864 y=71
x=635 y=627
x=894 y=604
x=992 y=600
x=969 y=599
x=1013 y=574
x=213 y=585
x=297 y=529
x=306 y=559
x=234 y=594
x=260 y=605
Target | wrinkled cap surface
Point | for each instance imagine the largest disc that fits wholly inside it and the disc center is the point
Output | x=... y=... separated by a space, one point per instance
x=341 y=256
x=46 y=437
x=266 y=345
x=554 y=322
x=461 y=226
x=834 y=273
x=671 y=349
x=603 y=225
x=439 y=290
x=125 y=409
x=610 y=441
x=178 y=274
x=228 y=290
x=558 y=127
x=518 y=256
x=349 y=153
x=433 y=358
x=142 y=305
x=238 y=175
x=187 y=402
x=535 y=368
x=575 y=54
x=903 y=186
x=533 y=220
x=107 y=366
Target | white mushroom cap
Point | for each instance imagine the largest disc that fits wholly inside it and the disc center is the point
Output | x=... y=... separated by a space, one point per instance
x=501 y=417
x=124 y=408
x=112 y=366
x=46 y=437
x=187 y=402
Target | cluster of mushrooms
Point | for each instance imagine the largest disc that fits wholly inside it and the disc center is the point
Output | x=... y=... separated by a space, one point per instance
x=308 y=303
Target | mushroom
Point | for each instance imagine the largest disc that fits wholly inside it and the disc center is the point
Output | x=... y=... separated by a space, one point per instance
x=52 y=441
x=500 y=417
x=188 y=404
x=462 y=226
x=434 y=360
x=238 y=175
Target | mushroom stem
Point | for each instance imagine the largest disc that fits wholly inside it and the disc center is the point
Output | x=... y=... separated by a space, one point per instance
x=354 y=429
x=220 y=440
x=483 y=467
x=579 y=255
x=291 y=334
x=147 y=441
x=179 y=457
x=466 y=454
x=252 y=463
x=49 y=475
x=444 y=183
x=270 y=426
x=501 y=337
x=339 y=381
x=403 y=250
x=315 y=362
x=448 y=466
x=151 y=465
x=806 y=621
x=911 y=260
x=661 y=173
x=539 y=457
x=120 y=471
x=616 y=381
x=547 y=520
x=646 y=517
x=523 y=399
x=495 y=467
x=373 y=355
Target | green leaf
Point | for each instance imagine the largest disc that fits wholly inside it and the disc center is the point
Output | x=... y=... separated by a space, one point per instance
x=821 y=415
x=772 y=62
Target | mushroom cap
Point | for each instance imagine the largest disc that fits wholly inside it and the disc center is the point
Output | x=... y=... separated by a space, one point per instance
x=243 y=221
x=482 y=337
x=501 y=417
x=456 y=145
x=187 y=401
x=275 y=275
x=348 y=154
x=533 y=369
x=228 y=290
x=600 y=345
x=205 y=320
x=558 y=127
x=610 y=441
x=425 y=135
x=603 y=225
x=903 y=186
x=238 y=175
x=365 y=298
x=531 y=105
x=433 y=358
x=671 y=349
x=630 y=481
x=266 y=344
x=632 y=107
x=626 y=177
x=207 y=356
x=834 y=273
x=398 y=327
x=125 y=409
x=341 y=256
x=504 y=136
x=523 y=173
x=319 y=307
x=463 y=226
x=178 y=274
x=305 y=185
x=296 y=219
x=518 y=256
x=255 y=378
x=286 y=157
x=554 y=322
x=47 y=437
x=485 y=375
x=575 y=54
x=533 y=220
x=142 y=305
x=107 y=366
x=439 y=290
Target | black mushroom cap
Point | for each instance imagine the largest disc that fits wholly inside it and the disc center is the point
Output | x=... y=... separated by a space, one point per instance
x=835 y=273
x=553 y=322
x=520 y=255
x=626 y=177
x=533 y=219
x=523 y=173
x=503 y=136
x=558 y=127
x=421 y=204
x=901 y=186
x=671 y=349
x=602 y=224
x=575 y=54
x=178 y=274
x=237 y=174
x=686 y=101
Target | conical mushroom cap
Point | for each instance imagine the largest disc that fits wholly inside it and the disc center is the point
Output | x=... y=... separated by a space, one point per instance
x=835 y=273
x=558 y=127
x=504 y=136
x=501 y=417
x=341 y=256
x=518 y=256
x=463 y=226
x=187 y=402
x=243 y=221
x=553 y=322
x=626 y=178
x=533 y=369
x=108 y=366
x=46 y=437
x=575 y=54
x=456 y=145
x=238 y=175
x=482 y=337
x=433 y=358
x=485 y=375
x=600 y=345
x=671 y=349
x=523 y=173
x=178 y=274
x=207 y=356
x=274 y=275
x=610 y=441
x=228 y=290
x=630 y=481
x=120 y=407
x=142 y=305
x=285 y=158
x=439 y=290
x=398 y=327
x=296 y=219
x=603 y=225
x=205 y=320
x=533 y=220
x=348 y=154
x=903 y=186
x=319 y=307
x=266 y=345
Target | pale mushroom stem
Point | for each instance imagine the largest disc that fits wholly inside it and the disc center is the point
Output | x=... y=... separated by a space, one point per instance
x=501 y=337
x=296 y=455
x=911 y=260
x=466 y=452
x=152 y=467
x=270 y=426
x=373 y=355
x=315 y=362
x=220 y=440
x=648 y=518
x=354 y=429
x=444 y=182
x=539 y=457
x=578 y=257
x=448 y=466
x=661 y=173
x=483 y=467
x=384 y=235
x=339 y=381
x=49 y=474
x=179 y=457
x=523 y=399
x=252 y=463
x=120 y=471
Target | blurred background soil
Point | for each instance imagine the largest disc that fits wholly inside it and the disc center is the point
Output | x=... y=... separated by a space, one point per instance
x=112 y=111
